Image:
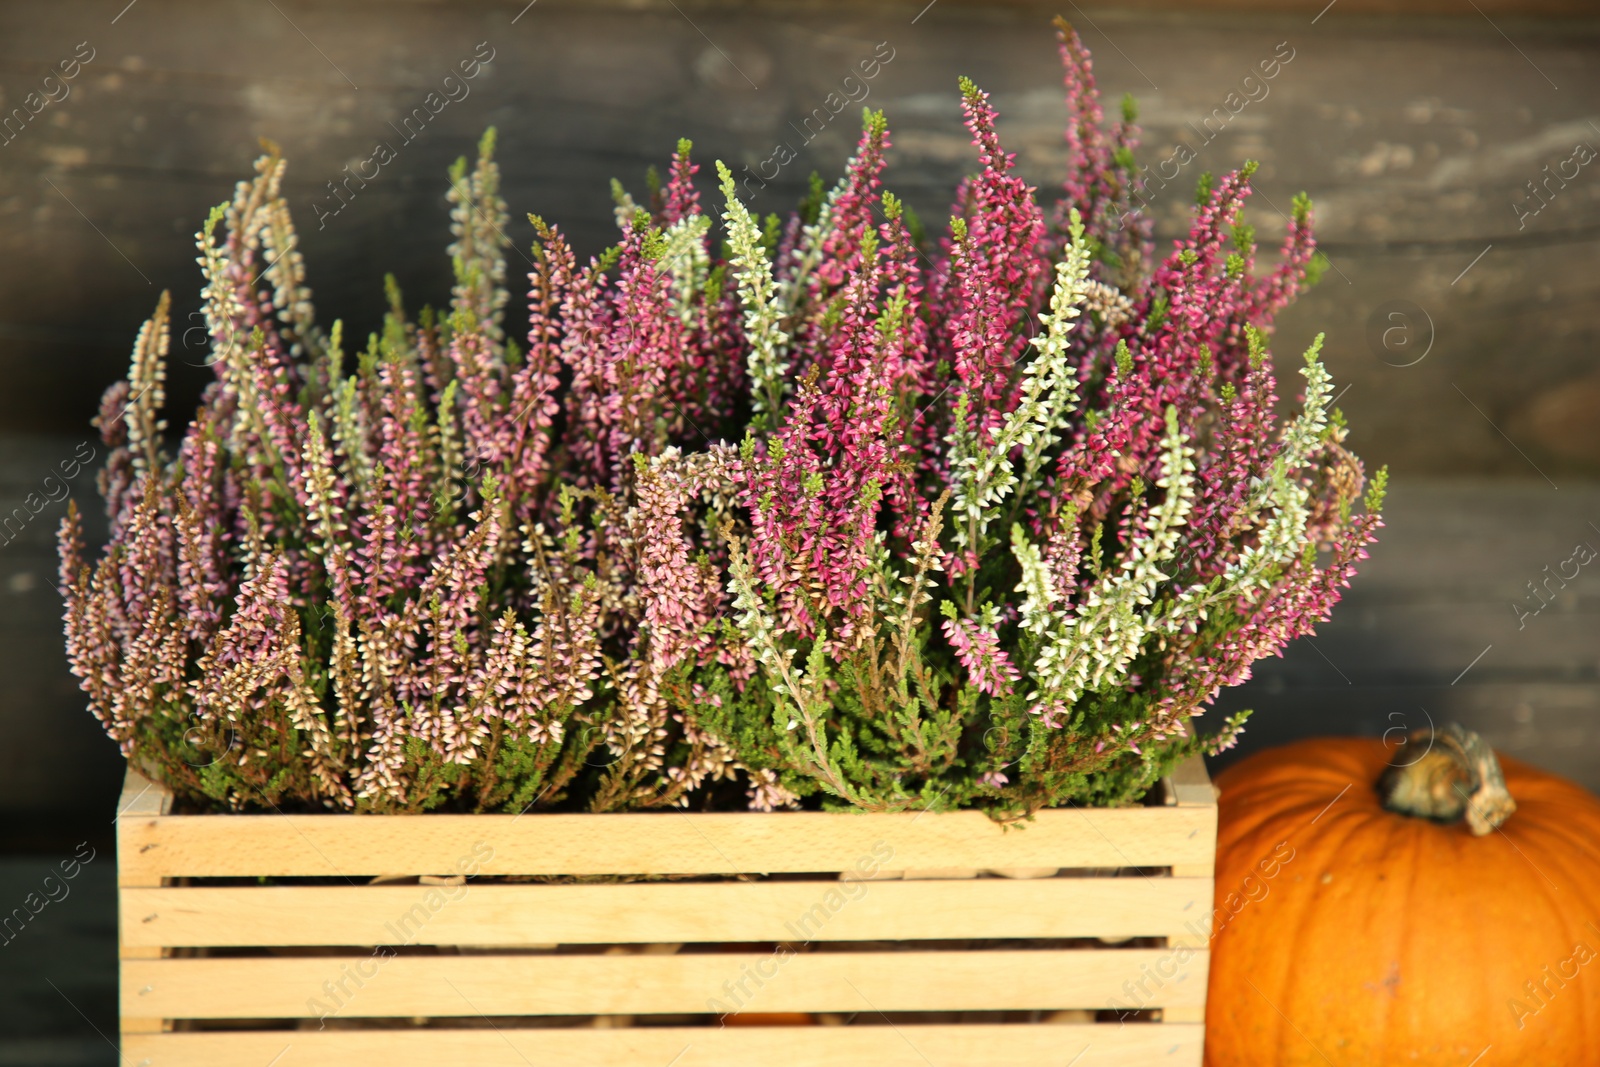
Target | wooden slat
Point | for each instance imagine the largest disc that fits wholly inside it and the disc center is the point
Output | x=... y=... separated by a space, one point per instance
x=678 y=843
x=665 y=912
x=441 y=986
x=978 y=1045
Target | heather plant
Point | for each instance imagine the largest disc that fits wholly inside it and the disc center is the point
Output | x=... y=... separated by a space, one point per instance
x=815 y=508
x=388 y=582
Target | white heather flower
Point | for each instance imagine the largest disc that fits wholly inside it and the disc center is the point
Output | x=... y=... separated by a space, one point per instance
x=983 y=474
x=1097 y=642
x=762 y=311
x=684 y=256
x=1278 y=507
x=1037 y=582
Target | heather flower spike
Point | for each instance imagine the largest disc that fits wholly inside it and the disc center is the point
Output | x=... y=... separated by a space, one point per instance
x=762 y=312
x=838 y=516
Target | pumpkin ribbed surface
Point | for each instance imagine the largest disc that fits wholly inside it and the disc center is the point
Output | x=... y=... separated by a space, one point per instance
x=1387 y=939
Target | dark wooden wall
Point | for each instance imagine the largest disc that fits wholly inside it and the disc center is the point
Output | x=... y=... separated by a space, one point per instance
x=1418 y=138
x=1442 y=625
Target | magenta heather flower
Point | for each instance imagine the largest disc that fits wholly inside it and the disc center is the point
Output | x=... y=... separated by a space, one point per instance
x=989 y=291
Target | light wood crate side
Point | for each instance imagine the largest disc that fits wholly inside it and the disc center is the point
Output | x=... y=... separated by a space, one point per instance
x=441 y=986
x=141 y=798
x=664 y=912
x=1191 y=785
x=352 y=847
x=141 y=802
x=905 y=1045
x=154 y=845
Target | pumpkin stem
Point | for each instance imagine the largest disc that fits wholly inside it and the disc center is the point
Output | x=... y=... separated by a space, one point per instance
x=1457 y=775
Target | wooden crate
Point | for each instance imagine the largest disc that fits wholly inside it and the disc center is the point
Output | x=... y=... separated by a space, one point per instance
x=939 y=967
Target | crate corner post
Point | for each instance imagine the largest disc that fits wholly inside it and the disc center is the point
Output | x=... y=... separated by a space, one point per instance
x=140 y=802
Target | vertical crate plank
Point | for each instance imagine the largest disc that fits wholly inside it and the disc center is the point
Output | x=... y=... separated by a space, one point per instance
x=141 y=798
x=1190 y=786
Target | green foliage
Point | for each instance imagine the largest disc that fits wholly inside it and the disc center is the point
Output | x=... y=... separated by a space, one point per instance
x=1124 y=359
x=1378 y=490
x=811 y=203
x=1301 y=206
x=1316 y=268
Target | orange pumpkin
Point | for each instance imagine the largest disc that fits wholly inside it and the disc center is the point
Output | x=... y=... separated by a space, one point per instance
x=1346 y=932
x=768 y=1018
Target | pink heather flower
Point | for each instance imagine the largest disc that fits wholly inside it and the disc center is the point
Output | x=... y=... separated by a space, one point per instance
x=989 y=668
x=681 y=200
x=853 y=215
x=766 y=793
x=681 y=598
x=533 y=404
x=1102 y=182
x=992 y=284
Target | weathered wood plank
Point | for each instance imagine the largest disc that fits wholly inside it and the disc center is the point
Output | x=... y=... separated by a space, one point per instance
x=1417 y=138
x=903 y=1045
x=445 y=986
x=1427 y=634
x=664 y=912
